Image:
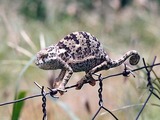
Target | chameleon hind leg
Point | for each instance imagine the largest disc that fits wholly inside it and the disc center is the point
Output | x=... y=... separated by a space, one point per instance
x=88 y=77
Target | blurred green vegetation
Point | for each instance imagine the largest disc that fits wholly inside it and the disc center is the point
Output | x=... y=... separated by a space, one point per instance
x=120 y=24
x=33 y=9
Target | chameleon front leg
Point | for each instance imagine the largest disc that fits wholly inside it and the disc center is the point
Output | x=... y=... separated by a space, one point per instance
x=59 y=79
x=67 y=76
x=88 y=77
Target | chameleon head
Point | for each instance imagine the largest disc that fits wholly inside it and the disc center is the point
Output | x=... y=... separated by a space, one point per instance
x=47 y=58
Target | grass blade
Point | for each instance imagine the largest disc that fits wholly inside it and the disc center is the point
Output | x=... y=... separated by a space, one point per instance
x=17 y=107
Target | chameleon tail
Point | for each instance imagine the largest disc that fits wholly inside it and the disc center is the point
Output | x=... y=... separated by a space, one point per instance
x=134 y=59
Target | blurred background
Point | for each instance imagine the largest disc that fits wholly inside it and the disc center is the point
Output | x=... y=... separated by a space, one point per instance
x=26 y=26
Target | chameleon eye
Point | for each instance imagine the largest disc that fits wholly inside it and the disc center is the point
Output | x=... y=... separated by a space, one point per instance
x=43 y=54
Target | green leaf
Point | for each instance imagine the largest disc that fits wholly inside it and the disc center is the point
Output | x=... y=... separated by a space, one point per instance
x=17 y=107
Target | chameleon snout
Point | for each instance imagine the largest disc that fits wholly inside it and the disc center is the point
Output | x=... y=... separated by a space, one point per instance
x=40 y=56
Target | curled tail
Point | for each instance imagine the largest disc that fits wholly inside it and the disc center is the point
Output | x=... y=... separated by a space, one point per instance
x=132 y=54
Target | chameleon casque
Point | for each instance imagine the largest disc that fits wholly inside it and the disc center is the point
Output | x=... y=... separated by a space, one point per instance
x=79 y=51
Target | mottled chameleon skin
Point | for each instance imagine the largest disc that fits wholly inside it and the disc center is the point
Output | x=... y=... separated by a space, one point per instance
x=79 y=51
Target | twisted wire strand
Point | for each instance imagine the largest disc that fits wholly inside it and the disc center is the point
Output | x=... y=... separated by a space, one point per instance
x=44 y=104
x=100 y=90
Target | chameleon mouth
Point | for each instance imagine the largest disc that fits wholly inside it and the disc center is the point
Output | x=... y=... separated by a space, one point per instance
x=36 y=62
x=41 y=63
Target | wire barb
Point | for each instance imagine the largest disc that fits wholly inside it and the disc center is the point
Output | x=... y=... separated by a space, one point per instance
x=53 y=92
x=126 y=71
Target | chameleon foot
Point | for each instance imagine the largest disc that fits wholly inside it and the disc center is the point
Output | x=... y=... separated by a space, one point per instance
x=90 y=80
x=61 y=90
x=80 y=83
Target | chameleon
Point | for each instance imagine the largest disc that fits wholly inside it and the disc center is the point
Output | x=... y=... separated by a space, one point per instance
x=77 y=52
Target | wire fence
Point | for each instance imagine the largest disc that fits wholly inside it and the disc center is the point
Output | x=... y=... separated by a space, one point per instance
x=52 y=92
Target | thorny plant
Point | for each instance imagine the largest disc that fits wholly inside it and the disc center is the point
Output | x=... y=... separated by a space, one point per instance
x=126 y=72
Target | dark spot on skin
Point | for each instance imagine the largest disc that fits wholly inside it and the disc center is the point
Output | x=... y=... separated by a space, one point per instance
x=81 y=33
x=98 y=45
x=102 y=57
x=73 y=46
x=93 y=53
x=87 y=50
x=66 y=54
x=63 y=46
x=76 y=41
x=67 y=37
x=88 y=43
x=95 y=39
x=96 y=51
x=85 y=35
x=73 y=55
x=73 y=36
x=79 y=50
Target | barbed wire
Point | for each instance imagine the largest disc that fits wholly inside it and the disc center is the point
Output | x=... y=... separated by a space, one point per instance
x=126 y=72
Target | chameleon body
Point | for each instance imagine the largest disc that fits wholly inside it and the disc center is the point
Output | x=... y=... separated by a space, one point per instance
x=79 y=51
